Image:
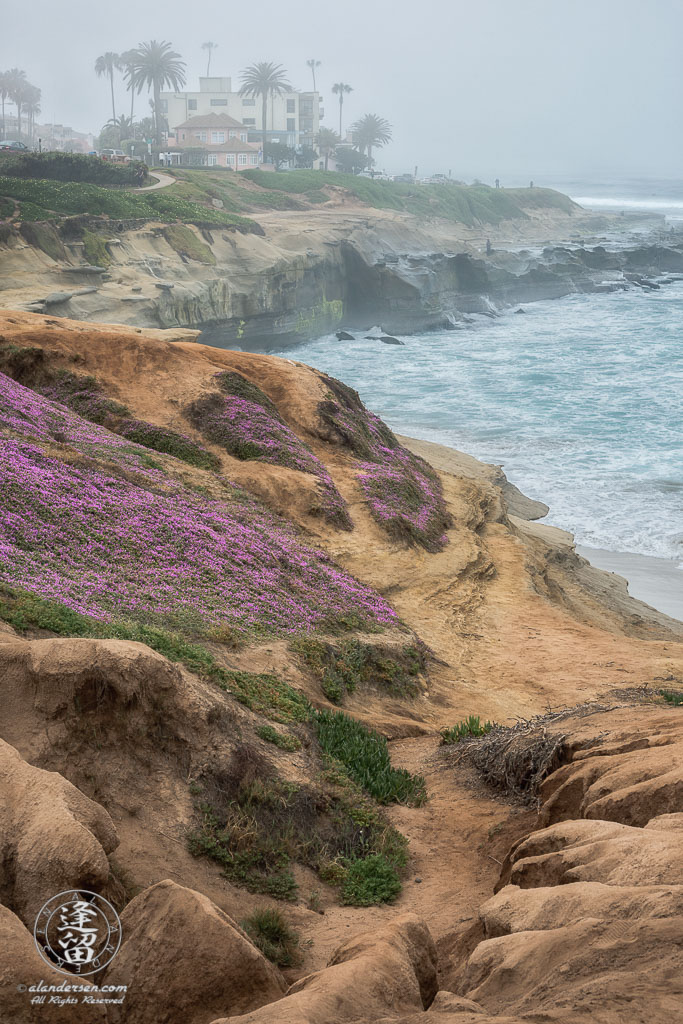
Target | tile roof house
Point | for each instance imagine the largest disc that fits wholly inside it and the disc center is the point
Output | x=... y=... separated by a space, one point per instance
x=216 y=140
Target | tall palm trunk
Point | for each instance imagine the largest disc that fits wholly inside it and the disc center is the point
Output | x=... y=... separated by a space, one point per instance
x=341 y=104
x=3 y=115
x=264 y=113
x=111 y=83
x=157 y=104
x=132 y=102
x=18 y=102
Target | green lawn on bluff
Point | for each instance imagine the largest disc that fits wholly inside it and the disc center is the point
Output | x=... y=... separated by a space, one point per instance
x=192 y=199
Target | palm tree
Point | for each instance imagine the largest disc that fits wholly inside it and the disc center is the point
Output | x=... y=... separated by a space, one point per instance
x=155 y=65
x=264 y=79
x=123 y=126
x=313 y=64
x=16 y=84
x=106 y=65
x=4 y=95
x=127 y=58
x=31 y=106
x=210 y=47
x=371 y=131
x=326 y=140
x=339 y=88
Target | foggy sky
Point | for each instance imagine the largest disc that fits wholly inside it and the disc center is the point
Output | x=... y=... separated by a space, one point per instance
x=508 y=88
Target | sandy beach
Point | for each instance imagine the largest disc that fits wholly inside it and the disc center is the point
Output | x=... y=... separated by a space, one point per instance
x=656 y=581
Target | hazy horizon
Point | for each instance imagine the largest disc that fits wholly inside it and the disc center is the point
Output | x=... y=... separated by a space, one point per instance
x=517 y=90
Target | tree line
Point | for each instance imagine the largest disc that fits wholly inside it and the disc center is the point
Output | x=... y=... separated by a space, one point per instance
x=15 y=87
x=157 y=66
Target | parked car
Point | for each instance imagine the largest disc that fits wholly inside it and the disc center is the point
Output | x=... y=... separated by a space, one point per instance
x=114 y=156
x=407 y=178
x=11 y=146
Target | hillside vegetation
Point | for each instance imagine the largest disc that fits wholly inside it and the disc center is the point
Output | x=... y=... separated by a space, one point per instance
x=42 y=188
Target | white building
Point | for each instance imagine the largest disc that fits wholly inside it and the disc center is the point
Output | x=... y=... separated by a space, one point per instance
x=293 y=118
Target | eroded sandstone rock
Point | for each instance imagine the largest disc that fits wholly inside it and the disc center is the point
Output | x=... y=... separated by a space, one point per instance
x=185 y=960
x=52 y=837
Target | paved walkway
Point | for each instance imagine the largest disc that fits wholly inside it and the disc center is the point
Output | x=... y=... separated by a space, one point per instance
x=163 y=181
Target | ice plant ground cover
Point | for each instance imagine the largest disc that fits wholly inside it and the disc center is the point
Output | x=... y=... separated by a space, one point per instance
x=85 y=396
x=402 y=491
x=87 y=523
x=243 y=420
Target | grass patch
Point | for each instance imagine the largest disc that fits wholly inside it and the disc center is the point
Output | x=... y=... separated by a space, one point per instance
x=256 y=826
x=185 y=242
x=471 y=726
x=673 y=697
x=283 y=740
x=466 y=204
x=365 y=756
x=342 y=667
x=370 y=881
x=269 y=931
x=53 y=200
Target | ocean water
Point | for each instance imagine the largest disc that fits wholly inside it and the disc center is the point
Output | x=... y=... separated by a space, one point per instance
x=580 y=400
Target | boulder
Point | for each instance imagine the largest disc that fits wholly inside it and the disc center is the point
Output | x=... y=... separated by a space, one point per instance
x=22 y=966
x=389 y=970
x=386 y=339
x=596 y=851
x=602 y=972
x=344 y=336
x=185 y=960
x=52 y=837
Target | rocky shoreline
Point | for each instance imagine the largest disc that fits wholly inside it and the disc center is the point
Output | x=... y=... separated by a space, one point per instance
x=306 y=274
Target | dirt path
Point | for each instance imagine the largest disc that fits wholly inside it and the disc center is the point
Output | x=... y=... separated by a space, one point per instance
x=456 y=843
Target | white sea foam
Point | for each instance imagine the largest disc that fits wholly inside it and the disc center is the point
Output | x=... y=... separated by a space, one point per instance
x=580 y=400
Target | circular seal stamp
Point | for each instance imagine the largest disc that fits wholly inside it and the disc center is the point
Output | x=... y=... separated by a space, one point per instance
x=77 y=932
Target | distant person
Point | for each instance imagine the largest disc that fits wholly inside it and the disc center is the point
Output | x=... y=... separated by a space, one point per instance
x=497 y=182
x=531 y=184
x=489 y=247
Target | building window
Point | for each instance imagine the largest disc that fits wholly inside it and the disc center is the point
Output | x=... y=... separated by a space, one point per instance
x=217 y=137
x=163 y=105
x=242 y=159
x=250 y=120
x=191 y=104
x=253 y=159
x=248 y=103
x=291 y=106
x=213 y=160
x=243 y=136
x=306 y=124
x=230 y=159
x=201 y=136
x=219 y=103
x=306 y=107
x=291 y=124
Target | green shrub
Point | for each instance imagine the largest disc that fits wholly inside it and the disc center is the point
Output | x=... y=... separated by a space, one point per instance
x=370 y=881
x=365 y=756
x=673 y=697
x=283 y=740
x=71 y=167
x=269 y=931
x=471 y=726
